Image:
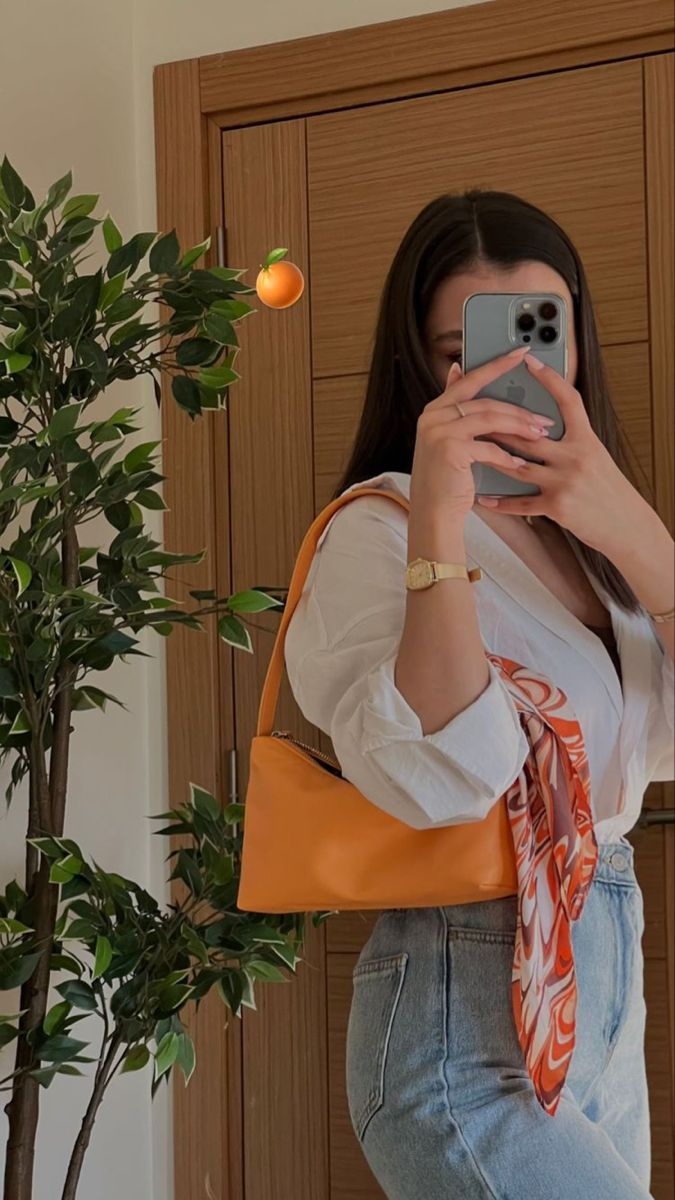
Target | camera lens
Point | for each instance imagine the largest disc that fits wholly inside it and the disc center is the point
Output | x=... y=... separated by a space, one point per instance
x=526 y=321
x=547 y=333
x=547 y=310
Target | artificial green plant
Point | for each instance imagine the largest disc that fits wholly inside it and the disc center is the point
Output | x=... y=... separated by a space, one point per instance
x=68 y=611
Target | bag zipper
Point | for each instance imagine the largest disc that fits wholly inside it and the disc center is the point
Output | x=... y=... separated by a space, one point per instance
x=286 y=733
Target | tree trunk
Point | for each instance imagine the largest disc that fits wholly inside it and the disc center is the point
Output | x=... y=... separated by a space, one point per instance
x=23 y=1109
x=46 y=817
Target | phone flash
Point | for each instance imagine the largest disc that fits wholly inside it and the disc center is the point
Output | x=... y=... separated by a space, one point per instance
x=526 y=304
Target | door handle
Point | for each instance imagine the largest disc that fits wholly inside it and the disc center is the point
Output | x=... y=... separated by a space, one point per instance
x=232 y=784
x=656 y=816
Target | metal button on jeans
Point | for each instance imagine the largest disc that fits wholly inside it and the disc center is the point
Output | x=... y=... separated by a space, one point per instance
x=619 y=860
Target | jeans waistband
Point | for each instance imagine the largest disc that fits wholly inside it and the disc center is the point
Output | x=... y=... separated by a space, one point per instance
x=616 y=863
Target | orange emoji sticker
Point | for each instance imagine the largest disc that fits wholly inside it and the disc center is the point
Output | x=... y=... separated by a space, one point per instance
x=279 y=284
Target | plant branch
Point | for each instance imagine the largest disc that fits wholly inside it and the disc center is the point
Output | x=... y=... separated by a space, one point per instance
x=104 y=1074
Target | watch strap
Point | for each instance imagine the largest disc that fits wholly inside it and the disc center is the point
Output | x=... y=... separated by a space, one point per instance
x=456 y=571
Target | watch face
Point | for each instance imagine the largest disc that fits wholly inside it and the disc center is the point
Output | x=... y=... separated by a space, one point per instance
x=420 y=574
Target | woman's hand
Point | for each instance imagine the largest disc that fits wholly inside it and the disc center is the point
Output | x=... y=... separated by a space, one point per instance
x=446 y=443
x=581 y=487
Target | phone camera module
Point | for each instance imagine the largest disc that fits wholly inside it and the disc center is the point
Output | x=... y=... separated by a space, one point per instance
x=548 y=310
x=547 y=333
x=526 y=321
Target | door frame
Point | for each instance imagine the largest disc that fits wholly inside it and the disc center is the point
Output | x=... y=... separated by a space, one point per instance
x=195 y=100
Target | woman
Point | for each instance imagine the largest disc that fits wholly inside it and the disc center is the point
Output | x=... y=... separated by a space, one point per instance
x=423 y=725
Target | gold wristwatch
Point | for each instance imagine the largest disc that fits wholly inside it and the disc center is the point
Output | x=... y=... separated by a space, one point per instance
x=421 y=573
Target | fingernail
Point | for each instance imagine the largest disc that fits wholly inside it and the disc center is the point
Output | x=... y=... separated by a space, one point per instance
x=535 y=363
x=518 y=351
x=517 y=461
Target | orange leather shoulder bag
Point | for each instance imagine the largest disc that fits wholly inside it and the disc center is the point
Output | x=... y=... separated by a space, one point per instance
x=312 y=841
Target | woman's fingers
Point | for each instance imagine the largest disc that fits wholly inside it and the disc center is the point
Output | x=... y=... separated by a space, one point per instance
x=494 y=456
x=464 y=387
x=487 y=418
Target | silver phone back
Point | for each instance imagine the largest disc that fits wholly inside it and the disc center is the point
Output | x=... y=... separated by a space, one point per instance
x=489 y=330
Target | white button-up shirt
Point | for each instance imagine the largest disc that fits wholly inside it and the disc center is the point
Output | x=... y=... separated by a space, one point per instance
x=341 y=648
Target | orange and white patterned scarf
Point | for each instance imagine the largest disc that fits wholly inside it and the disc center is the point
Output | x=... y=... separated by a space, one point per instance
x=549 y=807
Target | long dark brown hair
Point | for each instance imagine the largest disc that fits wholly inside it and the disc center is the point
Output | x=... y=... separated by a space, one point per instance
x=456 y=233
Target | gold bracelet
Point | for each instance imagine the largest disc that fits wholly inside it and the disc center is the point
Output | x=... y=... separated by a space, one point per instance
x=667 y=616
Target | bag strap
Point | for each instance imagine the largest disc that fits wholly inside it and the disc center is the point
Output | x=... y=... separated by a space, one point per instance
x=270 y=691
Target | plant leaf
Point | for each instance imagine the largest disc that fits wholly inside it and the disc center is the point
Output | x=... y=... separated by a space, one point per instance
x=103 y=957
x=139 y=456
x=58 y=191
x=252 y=600
x=17 y=970
x=217 y=377
x=13 y=185
x=23 y=573
x=234 y=633
x=9 y=683
x=64 y=421
x=78 y=993
x=61 y=1048
x=220 y=329
x=204 y=802
x=111 y=290
x=20 y=724
x=274 y=256
x=186 y=393
x=10 y=925
x=56 y=1017
x=185 y=1058
x=135 y=1059
x=232 y=310
x=166 y=1053
x=164 y=254
x=194 y=253
x=79 y=206
x=17 y=362
x=111 y=235
x=64 y=870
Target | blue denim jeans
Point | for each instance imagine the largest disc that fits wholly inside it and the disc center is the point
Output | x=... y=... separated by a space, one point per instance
x=438 y=1092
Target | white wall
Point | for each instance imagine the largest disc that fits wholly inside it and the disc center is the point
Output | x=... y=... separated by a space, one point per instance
x=76 y=93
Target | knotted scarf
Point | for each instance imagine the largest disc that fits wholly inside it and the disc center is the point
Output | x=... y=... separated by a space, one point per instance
x=549 y=808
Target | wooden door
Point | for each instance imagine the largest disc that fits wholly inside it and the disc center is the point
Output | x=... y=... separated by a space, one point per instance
x=330 y=147
x=339 y=189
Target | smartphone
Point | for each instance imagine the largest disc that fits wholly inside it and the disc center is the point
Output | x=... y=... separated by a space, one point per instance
x=494 y=323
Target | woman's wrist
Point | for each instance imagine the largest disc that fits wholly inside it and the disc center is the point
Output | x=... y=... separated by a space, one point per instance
x=644 y=556
x=436 y=534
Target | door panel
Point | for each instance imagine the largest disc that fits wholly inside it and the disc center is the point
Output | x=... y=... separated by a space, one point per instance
x=360 y=188
x=570 y=142
x=339 y=191
x=283 y=1053
x=660 y=167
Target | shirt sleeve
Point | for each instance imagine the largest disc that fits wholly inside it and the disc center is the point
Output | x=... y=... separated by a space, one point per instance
x=660 y=754
x=341 y=649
